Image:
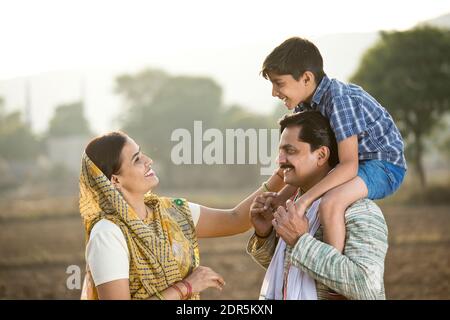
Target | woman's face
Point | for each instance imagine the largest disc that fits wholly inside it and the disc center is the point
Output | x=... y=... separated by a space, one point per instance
x=135 y=174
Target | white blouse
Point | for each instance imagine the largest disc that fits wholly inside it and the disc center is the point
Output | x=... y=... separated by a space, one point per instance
x=107 y=252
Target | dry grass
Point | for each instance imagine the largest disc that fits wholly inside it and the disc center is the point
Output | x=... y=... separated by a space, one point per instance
x=38 y=245
x=29 y=208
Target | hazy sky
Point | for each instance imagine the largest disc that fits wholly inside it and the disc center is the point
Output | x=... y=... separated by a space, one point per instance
x=45 y=35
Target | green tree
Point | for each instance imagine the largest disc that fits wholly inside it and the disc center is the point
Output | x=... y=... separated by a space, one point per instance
x=140 y=89
x=2 y=107
x=279 y=112
x=409 y=73
x=236 y=116
x=157 y=104
x=444 y=145
x=17 y=142
x=177 y=104
x=68 y=120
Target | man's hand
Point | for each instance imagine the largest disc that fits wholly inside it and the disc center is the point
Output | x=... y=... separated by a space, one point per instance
x=290 y=224
x=261 y=213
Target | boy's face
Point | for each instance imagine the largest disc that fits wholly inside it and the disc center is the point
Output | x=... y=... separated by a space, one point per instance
x=291 y=91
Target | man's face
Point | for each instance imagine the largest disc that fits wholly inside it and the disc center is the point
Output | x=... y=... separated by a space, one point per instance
x=289 y=90
x=300 y=164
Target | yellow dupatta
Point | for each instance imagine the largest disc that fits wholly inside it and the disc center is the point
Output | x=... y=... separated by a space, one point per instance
x=163 y=248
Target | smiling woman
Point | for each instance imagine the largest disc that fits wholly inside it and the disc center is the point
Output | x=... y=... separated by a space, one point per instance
x=140 y=245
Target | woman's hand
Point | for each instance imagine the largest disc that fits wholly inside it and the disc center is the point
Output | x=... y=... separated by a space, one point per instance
x=203 y=278
x=261 y=213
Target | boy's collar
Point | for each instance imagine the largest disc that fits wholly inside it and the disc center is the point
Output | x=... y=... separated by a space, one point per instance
x=317 y=96
x=320 y=90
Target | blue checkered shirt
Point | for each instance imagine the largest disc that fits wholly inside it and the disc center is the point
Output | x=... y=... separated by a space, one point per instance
x=352 y=111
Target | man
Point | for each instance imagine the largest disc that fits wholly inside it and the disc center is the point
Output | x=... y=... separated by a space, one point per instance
x=300 y=265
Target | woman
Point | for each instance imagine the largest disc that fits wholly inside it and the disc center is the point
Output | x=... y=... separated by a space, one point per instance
x=140 y=245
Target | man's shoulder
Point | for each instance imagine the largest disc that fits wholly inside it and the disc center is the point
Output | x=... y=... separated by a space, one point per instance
x=364 y=208
x=365 y=223
x=105 y=228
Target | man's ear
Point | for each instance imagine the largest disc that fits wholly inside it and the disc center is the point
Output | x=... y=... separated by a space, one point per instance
x=323 y=155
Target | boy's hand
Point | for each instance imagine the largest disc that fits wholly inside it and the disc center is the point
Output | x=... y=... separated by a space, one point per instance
x=261 y=213
x=290 y=224
x=279 y=172
x=302 y=204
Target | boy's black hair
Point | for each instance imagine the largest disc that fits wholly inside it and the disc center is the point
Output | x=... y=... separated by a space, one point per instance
x=315 y=130
x=294 y=56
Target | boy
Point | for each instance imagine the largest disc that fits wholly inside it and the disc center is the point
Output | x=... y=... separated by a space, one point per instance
x=370 y=147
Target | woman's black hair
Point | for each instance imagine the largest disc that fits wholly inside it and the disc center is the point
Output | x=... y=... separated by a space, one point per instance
x=104 y=151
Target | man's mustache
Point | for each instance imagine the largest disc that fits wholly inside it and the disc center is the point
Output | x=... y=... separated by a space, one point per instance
x=287 y=166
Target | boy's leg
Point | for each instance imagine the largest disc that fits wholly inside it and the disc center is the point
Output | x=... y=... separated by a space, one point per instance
x=332 y=209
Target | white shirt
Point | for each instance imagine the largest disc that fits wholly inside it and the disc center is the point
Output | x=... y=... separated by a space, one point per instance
x=107 y=252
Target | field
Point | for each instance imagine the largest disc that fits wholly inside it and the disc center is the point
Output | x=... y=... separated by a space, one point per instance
x=37 y=250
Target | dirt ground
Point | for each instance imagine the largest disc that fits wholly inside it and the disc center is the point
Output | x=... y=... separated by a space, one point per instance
x=35 y=254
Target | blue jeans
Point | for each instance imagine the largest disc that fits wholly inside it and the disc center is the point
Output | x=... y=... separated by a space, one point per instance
x=382 y=178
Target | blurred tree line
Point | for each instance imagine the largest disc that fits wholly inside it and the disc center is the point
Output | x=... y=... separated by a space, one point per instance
x=21 y=149
x=158 y=103
x=68 y=120
x=19 y=143
x=408 y=72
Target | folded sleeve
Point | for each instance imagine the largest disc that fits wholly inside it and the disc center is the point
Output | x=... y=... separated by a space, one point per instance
x=107 y=253
x=195 y=212
x=262 y=249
